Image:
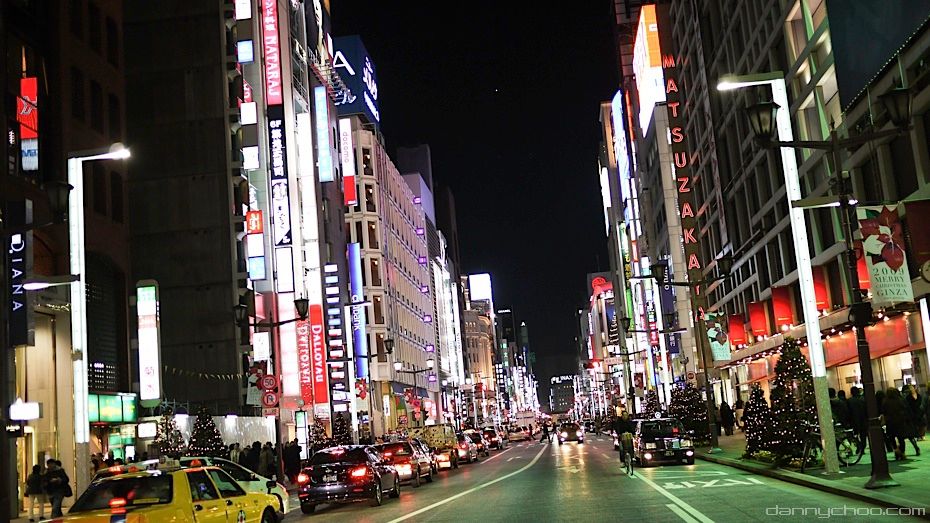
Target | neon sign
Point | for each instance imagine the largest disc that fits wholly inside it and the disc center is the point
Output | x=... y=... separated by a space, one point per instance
x=272 y=52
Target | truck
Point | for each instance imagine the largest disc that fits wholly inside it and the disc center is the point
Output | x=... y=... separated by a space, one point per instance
x=442 y=439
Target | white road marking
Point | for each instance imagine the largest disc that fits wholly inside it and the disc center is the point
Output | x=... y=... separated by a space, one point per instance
x=674 y=474
x=695 y=513
x=469 y=491
x=498 y=454
x=681 y=513
x=724 y=482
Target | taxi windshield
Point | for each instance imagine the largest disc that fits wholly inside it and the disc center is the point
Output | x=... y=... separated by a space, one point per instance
x=155 y=489
x=665 y=428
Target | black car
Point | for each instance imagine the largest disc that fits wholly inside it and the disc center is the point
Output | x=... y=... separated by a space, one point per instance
x=345 y=474
x=660 y=440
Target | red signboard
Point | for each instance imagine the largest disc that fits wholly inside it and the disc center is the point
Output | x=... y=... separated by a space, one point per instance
x=27 y=112
x=757 y=319
x=317 y=350
x=254 y=223
x=304 y=362
x=272 y=52
x=781 y=307
x=737 y=329
x=821 y=294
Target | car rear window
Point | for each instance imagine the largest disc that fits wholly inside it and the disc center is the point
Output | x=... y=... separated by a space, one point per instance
x=136 y=491
x=569 y=426
x=324 y=457
x=395 y=449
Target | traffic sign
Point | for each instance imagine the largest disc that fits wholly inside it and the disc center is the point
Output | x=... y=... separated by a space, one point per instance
x=271 y=412
x=690 y=375
x=270 y=399
x=269 y=382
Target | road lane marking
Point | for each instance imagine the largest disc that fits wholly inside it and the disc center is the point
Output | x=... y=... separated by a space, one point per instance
x=674 y=499
x=681 y=513
x=724 y=482
x=498 y=454
x=473 y=489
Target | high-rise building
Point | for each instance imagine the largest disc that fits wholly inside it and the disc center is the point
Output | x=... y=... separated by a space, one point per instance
x=561 y=394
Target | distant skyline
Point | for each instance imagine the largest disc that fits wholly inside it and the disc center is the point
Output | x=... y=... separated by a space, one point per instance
x=507 y=96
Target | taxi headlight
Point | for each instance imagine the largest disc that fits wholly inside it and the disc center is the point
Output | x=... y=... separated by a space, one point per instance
x=647 y=455
x=650 y=446
x=565 y=434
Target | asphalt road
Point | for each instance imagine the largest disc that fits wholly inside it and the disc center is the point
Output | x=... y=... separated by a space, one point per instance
x=539 y=483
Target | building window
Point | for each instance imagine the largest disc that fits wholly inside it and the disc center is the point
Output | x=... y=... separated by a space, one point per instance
x=77 y=94
x=375 y=273
x=372 y=236
x=95 y=37
x=100 y=189
x=112 y=42
x=378 y=310
x=370 y=198
x=116 y=197
x=77 y=18
x=115 y=116
x=366 y=162
x=96 y=106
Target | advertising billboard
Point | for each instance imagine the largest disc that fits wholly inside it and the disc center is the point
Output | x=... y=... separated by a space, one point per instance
x=305 y=362
x=272 y=52
x=359 y=336
x=149 y=343
x=280 y=193
x=27 y=114
x=885 y=257
x=647 y=65
x=19 y=264
x=323 y=144
x=479 y=287
x=318 y=356
x=355 y=68
x=347 y=158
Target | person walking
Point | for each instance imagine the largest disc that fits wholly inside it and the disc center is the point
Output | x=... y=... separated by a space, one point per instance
x=266 y=461
x=726 y=418
x=912 y=401
x=899 y=422
x=738 y=408
x=57 y=485
x=545 y=433
x=858 y=418
x=234 y=453
x=839 y=409
x=35 y=493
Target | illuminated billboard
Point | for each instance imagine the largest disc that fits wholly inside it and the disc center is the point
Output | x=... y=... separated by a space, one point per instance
x=324 y=148
x=347 y=158
x=272 y=52
x=359 y=337
x=149 y=343
x=479 y=287
x=647 y=65
x=355 y=68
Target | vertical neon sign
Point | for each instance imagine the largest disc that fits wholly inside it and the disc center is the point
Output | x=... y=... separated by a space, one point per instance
x=272 y=52
x=359 y=337
x=149 y=343
x=323 y=144
x=347 y=156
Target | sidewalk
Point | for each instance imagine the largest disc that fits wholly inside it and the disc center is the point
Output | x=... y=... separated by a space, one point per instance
x=913 y=474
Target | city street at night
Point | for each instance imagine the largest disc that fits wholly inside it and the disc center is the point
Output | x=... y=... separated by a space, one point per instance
x=571 y=482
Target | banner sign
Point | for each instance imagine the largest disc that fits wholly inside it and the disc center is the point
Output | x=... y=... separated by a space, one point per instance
x=347 y=158
x=717 y=334
x=359 y=336
x=149 y=343
x=19 y=268
x=305 y=361
x=318 y=354
x=280 y=193
x=272 y=52
x=883 y=250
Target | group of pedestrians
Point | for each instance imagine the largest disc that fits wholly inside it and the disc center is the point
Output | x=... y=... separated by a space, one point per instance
x=904 y=413
x=49 y=484
x=262 y=459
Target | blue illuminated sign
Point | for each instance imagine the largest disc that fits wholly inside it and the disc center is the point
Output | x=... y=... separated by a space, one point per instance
x=359 y=338
x=354 y=65
x=324 y=148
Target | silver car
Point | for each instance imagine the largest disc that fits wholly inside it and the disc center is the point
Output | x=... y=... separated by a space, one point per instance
x=411 y=462
x=570 y=432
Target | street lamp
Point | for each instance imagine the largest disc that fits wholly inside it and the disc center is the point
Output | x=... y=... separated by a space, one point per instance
x=302 y=306
x=897 y=104
x=77 y=252
x=398 y=367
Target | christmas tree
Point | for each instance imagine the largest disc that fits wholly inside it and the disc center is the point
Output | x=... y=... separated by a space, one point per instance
x=792 y=401
x=342 y=432
x=318 y=438
x=690 y=409
x=205 y=438
x=756 y=420
x=651 y=404
x=168 y=439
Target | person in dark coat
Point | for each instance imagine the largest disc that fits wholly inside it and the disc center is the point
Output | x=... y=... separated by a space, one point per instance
x=35 y=493
x=912 y=400
x=726 y=418
x=880 y=401
x=858 y=417
x=898 y=420
x=57 y=485
x=839 y=408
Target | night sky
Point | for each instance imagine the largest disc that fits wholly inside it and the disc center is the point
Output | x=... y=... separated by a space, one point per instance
x=507 y=96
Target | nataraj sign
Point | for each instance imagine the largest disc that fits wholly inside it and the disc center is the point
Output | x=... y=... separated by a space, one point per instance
x=305 y=361
x=883 y=249
x=318 y=355
x=272 y=52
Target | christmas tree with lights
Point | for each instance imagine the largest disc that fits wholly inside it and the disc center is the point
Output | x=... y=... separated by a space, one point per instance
x=651 y=404
x=342 y=432
x=168 y=439
x=690 y=409
x=793 y=404
x=756 y=420
x=205 y=438
x=318 y=438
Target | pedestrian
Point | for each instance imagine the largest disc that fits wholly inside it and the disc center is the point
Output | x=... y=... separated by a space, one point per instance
x=234 y=453
x=738 y=407
x=35 y=493
x=899 y=422
x=266 y=461
x=839 y=409
x=57 y=485
x=880 y=401
x=858 y=417
x=914 y=402
x=545 y=434
x=726 y=418
x=292 y=460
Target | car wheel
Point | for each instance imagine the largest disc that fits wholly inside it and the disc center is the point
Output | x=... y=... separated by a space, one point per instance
x=416 y=478
x=307 y=508
x=395 y=492
x=429 y=477
x=268 y=516
x=379 y=496
x=280 y=504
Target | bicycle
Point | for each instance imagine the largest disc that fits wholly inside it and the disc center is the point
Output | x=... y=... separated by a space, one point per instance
x=848 y=452
x=626 y=448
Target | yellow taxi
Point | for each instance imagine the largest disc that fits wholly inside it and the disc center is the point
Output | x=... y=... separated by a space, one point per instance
x=171 y=494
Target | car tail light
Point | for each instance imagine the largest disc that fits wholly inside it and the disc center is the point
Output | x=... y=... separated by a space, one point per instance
x=303 y=479
x=463 y=446
x=359 y=472
x=117 y=502
x=442 y=457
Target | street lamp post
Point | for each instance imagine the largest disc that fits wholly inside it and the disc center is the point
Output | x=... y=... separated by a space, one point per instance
x=763 y=119
x=79 y=303
x=398 y=367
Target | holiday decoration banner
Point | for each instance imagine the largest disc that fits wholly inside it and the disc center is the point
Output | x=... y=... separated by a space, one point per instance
x=717 y=335
x=883 y=250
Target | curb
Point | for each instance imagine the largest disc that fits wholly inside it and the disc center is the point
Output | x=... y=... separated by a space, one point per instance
x=805 y=481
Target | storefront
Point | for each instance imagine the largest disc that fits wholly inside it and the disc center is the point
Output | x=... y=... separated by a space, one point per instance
x=113 y=418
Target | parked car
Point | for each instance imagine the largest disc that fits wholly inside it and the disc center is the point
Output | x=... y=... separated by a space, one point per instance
x=411 y=462
x=249 y=480
x=495 y=439
x=346 y=474
x=477 y=437
x=434 y=462
x=570 y=432
x=442 y=440
x=660 y=440
x=467 y=449
x=518 y=434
